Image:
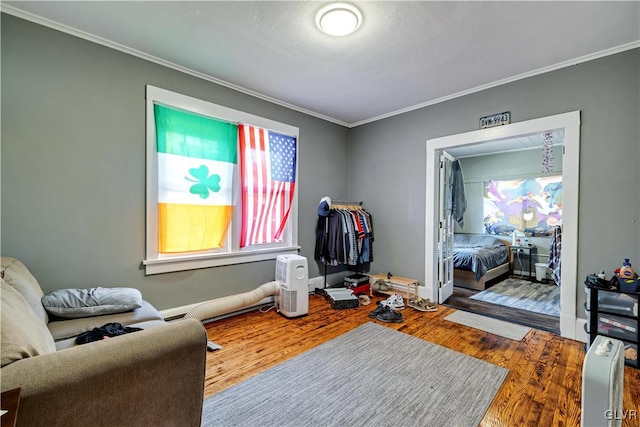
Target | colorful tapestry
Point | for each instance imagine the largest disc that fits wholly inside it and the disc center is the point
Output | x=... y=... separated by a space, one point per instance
x=531 y=205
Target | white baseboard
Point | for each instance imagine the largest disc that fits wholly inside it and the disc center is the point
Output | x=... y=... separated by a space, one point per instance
x=332 y=280
x=314 y=282
x=178 y=312
x=581 y=333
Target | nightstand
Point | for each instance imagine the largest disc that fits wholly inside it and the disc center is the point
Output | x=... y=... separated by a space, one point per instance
x=522 y=260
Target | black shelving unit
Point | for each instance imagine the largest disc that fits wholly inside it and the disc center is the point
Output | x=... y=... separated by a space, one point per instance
x=523 y=260
x=611 y=313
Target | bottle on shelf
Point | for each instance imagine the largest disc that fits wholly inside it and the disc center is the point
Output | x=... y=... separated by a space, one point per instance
x=626 y=271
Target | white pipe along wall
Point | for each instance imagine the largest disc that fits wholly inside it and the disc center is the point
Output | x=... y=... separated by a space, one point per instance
x=231 y=303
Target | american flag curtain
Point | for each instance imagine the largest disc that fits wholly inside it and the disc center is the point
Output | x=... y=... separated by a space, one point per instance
x=267 y=174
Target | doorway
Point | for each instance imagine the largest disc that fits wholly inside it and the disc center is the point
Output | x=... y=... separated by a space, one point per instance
x=509 y=195
x=569 y=123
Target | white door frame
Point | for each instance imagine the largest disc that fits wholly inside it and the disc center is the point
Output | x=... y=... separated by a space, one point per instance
x=570 y=122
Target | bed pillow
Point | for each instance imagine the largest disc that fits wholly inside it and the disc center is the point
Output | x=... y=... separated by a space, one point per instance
x=476 y=240
x=75 y=303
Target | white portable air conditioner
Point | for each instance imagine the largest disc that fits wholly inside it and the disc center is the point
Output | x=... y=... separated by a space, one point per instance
x=292 y=298
x=602 y=382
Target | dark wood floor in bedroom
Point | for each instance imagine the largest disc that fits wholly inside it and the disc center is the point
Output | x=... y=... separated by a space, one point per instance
x=461 y=300
x=543 y=387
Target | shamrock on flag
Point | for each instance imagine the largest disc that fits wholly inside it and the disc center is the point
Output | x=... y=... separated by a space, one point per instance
x=197 y=161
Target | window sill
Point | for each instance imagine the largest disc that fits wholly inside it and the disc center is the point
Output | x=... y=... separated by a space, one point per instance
x=193 y=262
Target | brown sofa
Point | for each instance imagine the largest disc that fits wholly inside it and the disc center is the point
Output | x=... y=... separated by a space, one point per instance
x=152 y=377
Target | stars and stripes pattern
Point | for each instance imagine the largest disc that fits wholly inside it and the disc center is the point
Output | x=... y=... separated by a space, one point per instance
x=267 y=174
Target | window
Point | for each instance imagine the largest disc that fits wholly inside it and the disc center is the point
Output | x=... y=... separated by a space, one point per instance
x=531 y=205
x=221 y=185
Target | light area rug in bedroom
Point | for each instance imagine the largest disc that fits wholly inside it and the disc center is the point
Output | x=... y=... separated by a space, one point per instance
x=489 y=324
x=369 y=376
x=524 y=295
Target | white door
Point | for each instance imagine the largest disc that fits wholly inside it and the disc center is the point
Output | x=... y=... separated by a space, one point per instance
x=445 y=230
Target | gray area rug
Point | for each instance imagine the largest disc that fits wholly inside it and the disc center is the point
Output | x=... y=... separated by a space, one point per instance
x=531 y=296
x=369 y=376
x=488 y=324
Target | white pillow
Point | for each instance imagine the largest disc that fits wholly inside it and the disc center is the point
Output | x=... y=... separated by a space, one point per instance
x=75 y=303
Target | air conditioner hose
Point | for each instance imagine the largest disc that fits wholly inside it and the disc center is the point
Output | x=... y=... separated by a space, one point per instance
x=231 y=303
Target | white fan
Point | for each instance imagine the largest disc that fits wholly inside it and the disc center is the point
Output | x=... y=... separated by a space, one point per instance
x=602 y=383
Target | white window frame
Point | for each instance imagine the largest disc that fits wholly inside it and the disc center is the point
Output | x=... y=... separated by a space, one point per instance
x=156 y=263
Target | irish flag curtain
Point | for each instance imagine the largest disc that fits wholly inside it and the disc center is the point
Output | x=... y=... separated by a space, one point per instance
x=197 y=160
x=267 y=173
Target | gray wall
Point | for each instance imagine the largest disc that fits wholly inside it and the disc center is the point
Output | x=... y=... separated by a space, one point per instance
x=73 y=166
x=388 y=161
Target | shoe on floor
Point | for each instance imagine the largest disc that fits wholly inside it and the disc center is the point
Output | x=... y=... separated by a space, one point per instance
x=395 y=301
x=422 y=304
x=390 y=316
x=379 y=310
x=380 y=285
x=364 y=299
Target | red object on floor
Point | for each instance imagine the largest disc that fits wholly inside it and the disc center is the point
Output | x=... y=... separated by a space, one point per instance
x=361 y=289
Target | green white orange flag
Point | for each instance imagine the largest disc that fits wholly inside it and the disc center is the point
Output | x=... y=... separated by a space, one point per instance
x=197 y=161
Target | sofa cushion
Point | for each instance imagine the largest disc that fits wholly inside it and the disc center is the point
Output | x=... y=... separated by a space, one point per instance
x=17 y=275
x=24 y=334
x=71 y=342
x=75 y=303
x=70 y=328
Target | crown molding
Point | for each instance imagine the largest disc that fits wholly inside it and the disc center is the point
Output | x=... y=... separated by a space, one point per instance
x=558 y=66
x=11 y=10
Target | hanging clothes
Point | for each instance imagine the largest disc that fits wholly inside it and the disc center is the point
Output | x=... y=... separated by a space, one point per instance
x=458 y=195
x=555 y=252
x=344 y=236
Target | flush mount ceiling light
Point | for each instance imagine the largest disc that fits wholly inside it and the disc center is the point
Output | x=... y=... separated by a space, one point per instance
x=338 y=19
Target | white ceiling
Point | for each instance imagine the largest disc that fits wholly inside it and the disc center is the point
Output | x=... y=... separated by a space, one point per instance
x=404 y=56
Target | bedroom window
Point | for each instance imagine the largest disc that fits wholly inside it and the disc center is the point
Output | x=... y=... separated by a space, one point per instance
x=530 y=205
x=220 y=185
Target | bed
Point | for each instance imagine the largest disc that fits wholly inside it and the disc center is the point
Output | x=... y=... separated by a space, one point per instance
x=478 y=258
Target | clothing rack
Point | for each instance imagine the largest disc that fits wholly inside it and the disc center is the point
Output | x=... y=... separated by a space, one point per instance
x=341 y=204
x=345 y=204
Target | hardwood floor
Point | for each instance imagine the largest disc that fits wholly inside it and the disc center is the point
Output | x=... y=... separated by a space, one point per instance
x=543 y=387
x=461 y=300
